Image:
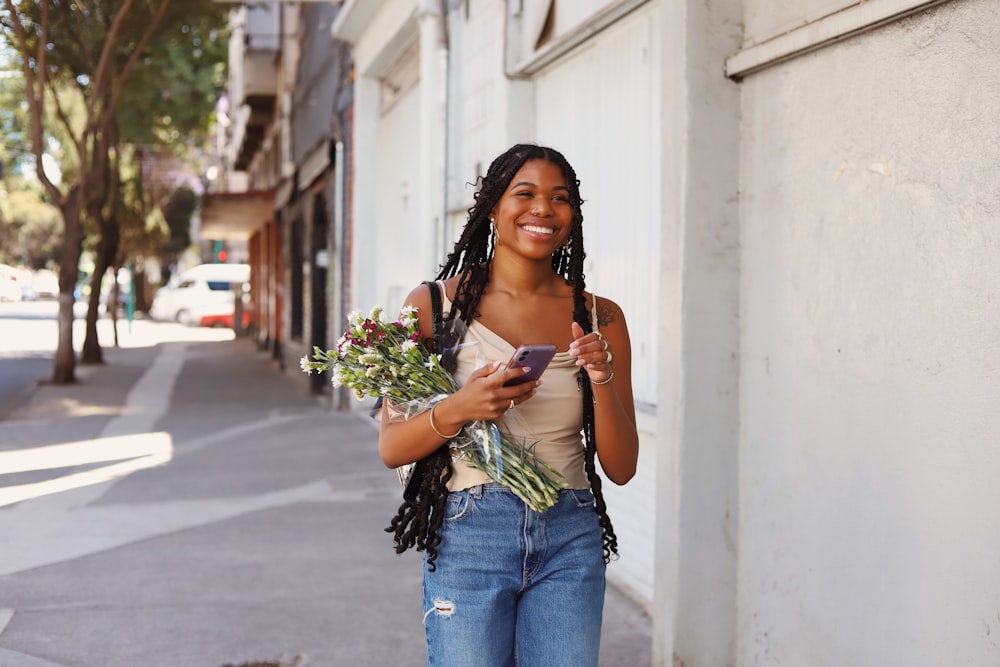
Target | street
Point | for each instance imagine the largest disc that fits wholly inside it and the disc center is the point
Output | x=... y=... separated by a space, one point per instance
x=28 y=338
x=27 y=344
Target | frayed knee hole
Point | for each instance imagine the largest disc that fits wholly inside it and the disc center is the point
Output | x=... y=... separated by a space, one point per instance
x=445 y=608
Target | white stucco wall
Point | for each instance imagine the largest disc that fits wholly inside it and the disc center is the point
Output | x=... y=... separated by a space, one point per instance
x=487 y=112
x=398 y=205
x=870 y=356
x=694 y=614
x=397 y=263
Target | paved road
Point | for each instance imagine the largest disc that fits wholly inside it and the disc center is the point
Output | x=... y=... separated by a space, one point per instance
x=25 y=355
x=29 y=335
x=187 y=504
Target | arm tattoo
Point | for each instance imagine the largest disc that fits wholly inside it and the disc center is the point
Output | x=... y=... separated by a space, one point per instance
x=605 y=315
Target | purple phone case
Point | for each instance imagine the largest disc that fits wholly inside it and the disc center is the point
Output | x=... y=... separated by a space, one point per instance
x=536 y=357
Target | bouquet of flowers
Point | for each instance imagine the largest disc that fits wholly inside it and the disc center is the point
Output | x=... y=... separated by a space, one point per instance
x=377 y=358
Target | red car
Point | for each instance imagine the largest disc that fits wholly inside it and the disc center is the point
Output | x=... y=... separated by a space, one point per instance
x=223 y=320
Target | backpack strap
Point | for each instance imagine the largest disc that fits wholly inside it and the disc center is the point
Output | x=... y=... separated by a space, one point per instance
x=437 y=313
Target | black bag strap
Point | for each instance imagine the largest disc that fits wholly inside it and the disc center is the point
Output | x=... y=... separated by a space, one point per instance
x=412 y=489
x=437 y=314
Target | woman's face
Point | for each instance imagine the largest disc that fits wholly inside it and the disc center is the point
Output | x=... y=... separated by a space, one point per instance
x=534 y=214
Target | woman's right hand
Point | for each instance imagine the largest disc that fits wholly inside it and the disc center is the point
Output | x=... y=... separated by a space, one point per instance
x=483 y=397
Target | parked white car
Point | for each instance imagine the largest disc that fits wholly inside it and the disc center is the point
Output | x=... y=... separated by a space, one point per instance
x=202 y=294
x=46 y=284
x=11 y=284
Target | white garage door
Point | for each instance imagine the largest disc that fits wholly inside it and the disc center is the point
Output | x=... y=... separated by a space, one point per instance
x=401 y=266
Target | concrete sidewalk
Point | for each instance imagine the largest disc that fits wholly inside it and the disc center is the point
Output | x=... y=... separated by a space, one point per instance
x=189 y=505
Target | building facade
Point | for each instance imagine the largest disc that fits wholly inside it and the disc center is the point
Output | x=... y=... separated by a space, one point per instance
x=795 y=205
x=284 y=181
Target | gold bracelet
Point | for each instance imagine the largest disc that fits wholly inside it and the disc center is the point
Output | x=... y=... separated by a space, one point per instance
x=605 y=381
x=434 y=428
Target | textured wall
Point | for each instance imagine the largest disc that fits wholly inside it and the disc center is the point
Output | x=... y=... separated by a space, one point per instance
x=870 y=356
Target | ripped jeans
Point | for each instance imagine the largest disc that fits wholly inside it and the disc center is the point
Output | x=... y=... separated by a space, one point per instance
x=514 y=587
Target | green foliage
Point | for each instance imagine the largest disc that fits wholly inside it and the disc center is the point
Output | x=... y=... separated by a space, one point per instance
x=15 y=145
x=169 y=96
x=166 y=103
x=171 y=99
x=30 y=231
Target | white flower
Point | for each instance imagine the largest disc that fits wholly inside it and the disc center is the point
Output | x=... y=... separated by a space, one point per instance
x=354 y=315
x=408 y=345
x=304 y=365
x=407 y=316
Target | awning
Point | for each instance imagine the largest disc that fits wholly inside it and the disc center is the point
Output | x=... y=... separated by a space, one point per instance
x=235 y=216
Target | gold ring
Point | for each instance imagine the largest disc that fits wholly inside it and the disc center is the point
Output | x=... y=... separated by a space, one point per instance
x=511 y=404
x=610 y=357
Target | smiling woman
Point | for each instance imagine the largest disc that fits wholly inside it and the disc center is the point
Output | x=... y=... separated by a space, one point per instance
x=515 y=278
x=535 y=210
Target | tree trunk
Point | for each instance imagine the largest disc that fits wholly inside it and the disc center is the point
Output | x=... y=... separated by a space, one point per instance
x=115 y=300
x=64 y=368
x=141 y=287
x=107 y=249
x=91 y=353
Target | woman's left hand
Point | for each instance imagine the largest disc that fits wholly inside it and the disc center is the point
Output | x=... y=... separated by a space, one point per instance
x=593 y=353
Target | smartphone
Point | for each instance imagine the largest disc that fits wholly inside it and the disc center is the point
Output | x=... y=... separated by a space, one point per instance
x=535 y=357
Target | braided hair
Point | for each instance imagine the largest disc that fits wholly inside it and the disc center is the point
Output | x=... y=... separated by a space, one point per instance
x=419 y=518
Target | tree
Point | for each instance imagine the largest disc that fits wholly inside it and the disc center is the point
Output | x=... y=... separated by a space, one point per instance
x=98 y=31
x=168 y=118
x=164 y=110
x=92 y=49
x=177 y=213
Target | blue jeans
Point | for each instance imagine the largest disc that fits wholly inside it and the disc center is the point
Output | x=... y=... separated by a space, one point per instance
x=514 y=586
